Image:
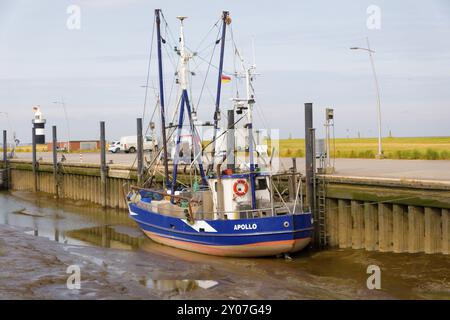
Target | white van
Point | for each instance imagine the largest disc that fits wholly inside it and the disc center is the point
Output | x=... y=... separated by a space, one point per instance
x=128 y=144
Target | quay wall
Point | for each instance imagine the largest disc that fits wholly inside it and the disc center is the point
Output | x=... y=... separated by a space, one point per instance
x=387 y=215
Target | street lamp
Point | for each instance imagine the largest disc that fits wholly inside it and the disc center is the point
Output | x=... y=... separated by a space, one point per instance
x=377 y=88
x=67 y=121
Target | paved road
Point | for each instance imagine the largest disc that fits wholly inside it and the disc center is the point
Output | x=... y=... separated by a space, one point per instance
x=406 y=169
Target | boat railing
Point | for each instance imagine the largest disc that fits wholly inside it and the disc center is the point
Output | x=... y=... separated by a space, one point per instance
x=189 y=201
x=249 y=213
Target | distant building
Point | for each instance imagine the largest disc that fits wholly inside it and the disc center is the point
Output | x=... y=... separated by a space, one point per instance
x=76 y=145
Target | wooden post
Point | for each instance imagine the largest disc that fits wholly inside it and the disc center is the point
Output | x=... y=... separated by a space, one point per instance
x=433 y=230
x=385 y=226
x=310 y=170
x=34 y=160
x=140 y=152
x=416 y=229
x=103 y=167
x=5 y=161
x=55 y=161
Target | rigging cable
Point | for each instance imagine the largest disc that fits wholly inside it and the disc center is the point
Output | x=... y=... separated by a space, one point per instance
x=148 y=71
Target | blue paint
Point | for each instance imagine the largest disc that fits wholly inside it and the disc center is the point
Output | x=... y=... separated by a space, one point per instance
x=277 y=228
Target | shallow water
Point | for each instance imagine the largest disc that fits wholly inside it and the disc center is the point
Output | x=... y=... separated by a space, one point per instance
x=328 y=274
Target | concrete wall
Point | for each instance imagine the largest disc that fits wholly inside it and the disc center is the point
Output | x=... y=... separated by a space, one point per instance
x=388 y=215
x=371 y=214
x=75 y=182
x=387 y=227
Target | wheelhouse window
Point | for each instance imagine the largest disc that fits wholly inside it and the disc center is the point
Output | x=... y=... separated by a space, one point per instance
x=261 y=184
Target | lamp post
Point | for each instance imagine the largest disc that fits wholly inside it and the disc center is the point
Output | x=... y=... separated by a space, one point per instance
x=67 y=121
x=377 y=88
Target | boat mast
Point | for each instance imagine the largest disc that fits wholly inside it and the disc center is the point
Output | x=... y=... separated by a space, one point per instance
x=248 y=105
x=183 y=72
x=225 y=21
x=250 y=102
x=161 y=97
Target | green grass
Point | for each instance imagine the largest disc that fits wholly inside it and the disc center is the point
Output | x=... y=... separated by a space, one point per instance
x=43 y=148
x=429 y=148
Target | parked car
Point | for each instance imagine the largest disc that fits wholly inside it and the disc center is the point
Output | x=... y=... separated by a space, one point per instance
x=128 y=144
x=114 y=147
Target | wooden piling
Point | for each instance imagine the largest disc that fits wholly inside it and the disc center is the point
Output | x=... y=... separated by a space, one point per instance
x=370 y=226
x=416 y=229
x=433 y=239
x=400 y=228
x=34 y=160
x=55 y=162
x=5 y=176
x=103 y=168
x=332 y=222
x=446 y=231
x=345 y=224
x=140 y=151
x=357 y=213
x=385 y=227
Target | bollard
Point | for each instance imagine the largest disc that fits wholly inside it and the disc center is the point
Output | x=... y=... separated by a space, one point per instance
x=140 y=152
x=55 y=161
x=103 y=167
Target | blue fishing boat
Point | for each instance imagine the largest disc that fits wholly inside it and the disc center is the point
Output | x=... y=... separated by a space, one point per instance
x=229 y=209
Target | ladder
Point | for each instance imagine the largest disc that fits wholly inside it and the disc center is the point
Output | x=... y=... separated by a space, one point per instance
x=321 y=210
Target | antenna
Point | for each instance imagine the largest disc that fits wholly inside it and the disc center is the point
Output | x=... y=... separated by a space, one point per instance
x=253 y=51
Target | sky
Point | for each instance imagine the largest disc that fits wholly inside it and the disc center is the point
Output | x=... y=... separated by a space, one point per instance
x=300 y=49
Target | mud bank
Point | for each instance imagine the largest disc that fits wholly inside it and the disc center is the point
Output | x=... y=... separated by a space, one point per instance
x=35 y=268
x=39 y=240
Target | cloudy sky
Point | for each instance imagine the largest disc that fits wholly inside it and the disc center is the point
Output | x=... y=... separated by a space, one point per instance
x=301 y=53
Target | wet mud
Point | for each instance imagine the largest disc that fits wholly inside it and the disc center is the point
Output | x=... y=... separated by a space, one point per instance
x=40 y=237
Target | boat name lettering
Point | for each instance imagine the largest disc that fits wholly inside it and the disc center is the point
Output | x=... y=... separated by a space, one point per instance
x=247 y=226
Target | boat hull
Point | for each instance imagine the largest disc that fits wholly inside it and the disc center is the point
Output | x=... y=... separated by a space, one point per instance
x=233 y=238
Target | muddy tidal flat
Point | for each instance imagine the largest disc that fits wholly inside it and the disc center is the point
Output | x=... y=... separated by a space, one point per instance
x=41 y=237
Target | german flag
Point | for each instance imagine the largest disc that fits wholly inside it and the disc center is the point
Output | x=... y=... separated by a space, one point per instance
x=225 y=79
